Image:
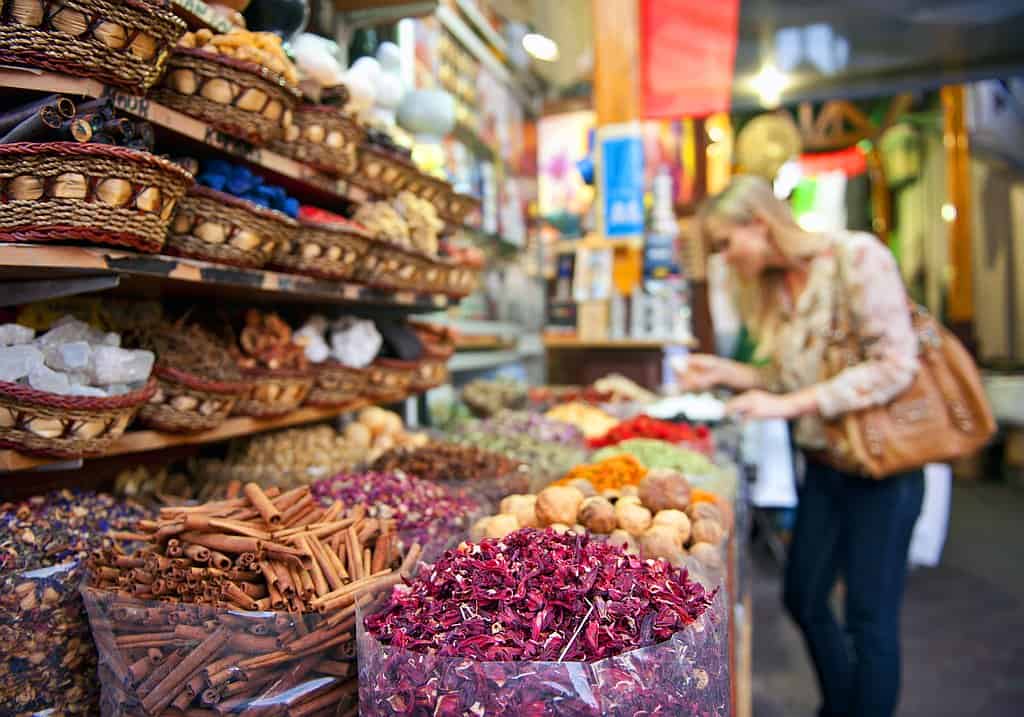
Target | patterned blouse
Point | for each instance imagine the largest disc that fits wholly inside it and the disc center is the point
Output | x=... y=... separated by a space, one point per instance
x=878 y=302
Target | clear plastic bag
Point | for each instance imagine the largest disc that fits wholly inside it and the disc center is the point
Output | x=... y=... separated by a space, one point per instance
x=161 y=658
x=48 y=661
x=687 y=675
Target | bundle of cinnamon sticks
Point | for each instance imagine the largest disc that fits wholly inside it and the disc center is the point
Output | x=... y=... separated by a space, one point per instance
x=242 y=606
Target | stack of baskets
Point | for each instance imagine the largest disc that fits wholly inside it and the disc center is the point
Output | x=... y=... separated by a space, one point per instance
x=325 y=137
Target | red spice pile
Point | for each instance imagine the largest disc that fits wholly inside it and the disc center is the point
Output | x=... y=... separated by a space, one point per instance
x=539 y=595
x=647 y=427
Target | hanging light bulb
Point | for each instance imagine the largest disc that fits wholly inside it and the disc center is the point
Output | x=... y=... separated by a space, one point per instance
x=540 y=47
x=769 y=84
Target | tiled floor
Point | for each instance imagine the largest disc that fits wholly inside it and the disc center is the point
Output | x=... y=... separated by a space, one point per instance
x=963 y=622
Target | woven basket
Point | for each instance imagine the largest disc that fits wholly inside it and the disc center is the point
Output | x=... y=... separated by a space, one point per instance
x=454 y=207
x=124 y=43
x=324 y=137
x=430 y=373
x=49 y=424
x=380 y=171
x=390 y=380
x=239 y=98
x=337 y=385
x=396 y=268
x=458 y=280
x=324 y=251
x=187 y=403
x=67 y=191
x=215 y=226
x=273 y=393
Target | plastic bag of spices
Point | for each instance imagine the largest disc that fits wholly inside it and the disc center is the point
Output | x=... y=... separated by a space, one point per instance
x=48 y=660
x=545 y=625
x=159 y=658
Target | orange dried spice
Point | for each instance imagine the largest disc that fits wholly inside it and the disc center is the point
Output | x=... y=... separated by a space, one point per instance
x=610 y=474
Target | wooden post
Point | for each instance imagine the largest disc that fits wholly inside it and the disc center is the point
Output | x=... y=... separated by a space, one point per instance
x=616 y=65
x=958 y=178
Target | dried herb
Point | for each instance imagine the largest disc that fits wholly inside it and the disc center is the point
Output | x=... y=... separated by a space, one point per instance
x=493 y=474
x=660 y=454
x=425 y=512
x=608 y=474
x=541 y=624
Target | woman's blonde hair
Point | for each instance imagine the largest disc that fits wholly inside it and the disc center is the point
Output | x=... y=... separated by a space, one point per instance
x=749 y=198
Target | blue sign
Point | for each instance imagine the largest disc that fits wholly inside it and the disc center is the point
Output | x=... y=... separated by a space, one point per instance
x=622 y=185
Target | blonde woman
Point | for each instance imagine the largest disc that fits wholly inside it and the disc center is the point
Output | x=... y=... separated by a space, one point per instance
x=859 y=528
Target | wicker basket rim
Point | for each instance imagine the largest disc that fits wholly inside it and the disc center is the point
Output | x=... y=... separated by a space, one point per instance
x=338 y=112
x=199 y=190
x=388 y=154
x=150 y=12
x=395 y=363
x=333 y=364
x=197 y=382
x=29 y=395
x=94 y=150
x=272 y=373
x=351 y=229
x=263 y=73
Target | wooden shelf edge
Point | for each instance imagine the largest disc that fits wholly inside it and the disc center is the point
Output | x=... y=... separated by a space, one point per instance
x=145 y=440
x=168 y=268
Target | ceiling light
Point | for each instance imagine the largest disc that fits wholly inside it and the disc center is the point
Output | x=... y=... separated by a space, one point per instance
x=769 y=84
x=948 y=212
x=540 y=47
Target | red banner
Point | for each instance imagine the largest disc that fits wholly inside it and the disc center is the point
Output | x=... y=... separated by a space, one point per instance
x=688 y=49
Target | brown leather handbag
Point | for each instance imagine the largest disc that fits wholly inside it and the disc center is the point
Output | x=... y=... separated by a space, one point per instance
x=943 y=415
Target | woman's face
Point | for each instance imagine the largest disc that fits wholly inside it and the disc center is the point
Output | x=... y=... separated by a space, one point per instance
x=744 y=247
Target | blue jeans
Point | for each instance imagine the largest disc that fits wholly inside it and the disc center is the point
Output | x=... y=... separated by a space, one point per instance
x=858 y=528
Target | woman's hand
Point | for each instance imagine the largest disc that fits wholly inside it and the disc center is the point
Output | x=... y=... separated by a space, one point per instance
x=762 y=404
x=704 y=372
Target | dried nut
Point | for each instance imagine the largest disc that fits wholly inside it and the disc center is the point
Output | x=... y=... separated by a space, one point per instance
x=334 y=139
x=311 y=251
x=334 y=253
x=252 y=100
x=183 y=82
x=182 y=223
x=315 y=133
x=8 y=417
x=70 y=185
x=90 y=429
x=47 y=427
x=185 y=403
x=218 y=90
x=168 y=209
x=292 y=133
x=707 y=531
x=245 y=239
x=273 y=112
x=115 y=192
x=211 y=232
x=111 y=34
x=149 y=199
x=143 y=46
x=25 y=187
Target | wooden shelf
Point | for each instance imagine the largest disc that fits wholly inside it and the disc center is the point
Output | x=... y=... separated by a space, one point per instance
x=144 y=441
x=193 y=278
x=571 y=342
x=189 y=127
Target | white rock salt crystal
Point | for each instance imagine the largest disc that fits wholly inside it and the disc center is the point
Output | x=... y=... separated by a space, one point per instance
x=111 y=364
x=70 y=357
x=15 y=334
x=43 y=379
x=17 y=361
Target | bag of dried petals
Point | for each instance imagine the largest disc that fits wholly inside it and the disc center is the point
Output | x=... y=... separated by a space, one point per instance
x=543 y=624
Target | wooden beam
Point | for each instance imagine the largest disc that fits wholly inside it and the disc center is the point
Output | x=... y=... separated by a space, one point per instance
x=616 y=60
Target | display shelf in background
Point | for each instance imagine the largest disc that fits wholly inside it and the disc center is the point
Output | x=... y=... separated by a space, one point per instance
x=143 y=441
x=194 y=278
x=463 y=362
x=195 y=130
x=571 y=342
